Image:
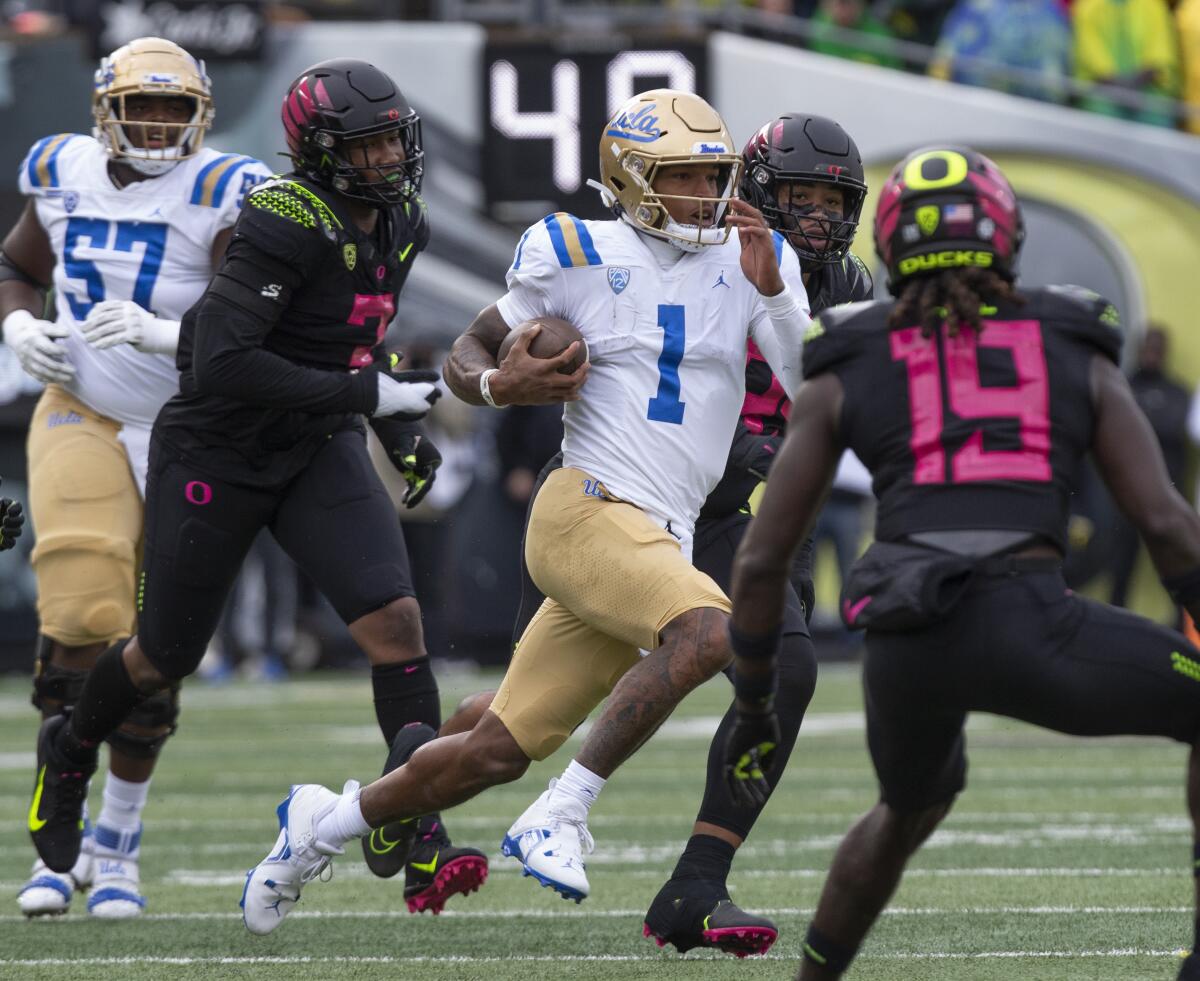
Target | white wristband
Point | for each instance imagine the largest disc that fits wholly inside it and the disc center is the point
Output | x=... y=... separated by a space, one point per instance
x=159 y=336
x=485 y=388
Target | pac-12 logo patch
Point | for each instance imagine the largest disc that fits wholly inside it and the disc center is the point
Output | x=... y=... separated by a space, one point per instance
x=70 y=200
x=350 y=255
x=618 y=278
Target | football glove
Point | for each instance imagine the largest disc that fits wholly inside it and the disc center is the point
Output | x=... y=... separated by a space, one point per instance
x=12 y=518
x=749 y=755
x=114 y=322
x=35 y=343
x=404 y=395
x=754 y=452
x=412 y=453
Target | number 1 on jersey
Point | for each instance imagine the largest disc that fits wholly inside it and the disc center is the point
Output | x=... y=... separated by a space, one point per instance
x=666 y=406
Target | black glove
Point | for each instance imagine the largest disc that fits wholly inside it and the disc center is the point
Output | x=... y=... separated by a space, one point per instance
x=750 y=755
x=752 y=452
x=412 y=453
x=12 y=517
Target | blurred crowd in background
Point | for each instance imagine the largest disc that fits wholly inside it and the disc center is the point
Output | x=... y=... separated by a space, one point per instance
x=1135 y=59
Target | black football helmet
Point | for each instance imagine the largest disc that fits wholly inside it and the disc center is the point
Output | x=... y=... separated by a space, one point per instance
x=344 y=99
x=945 y=207
x=812 y=149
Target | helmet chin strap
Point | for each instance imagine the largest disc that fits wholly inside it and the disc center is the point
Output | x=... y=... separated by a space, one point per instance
x=686 y=238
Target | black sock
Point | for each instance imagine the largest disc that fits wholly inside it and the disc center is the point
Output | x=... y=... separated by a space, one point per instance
x=829 y=954
x=405 y=693
x=705 y=857
x=108 y=696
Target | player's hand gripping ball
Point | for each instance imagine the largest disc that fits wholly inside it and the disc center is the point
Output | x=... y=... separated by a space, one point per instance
x=554 y=337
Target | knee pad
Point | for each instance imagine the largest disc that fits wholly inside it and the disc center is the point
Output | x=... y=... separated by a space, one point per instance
x=85 y=587
x=52 y=683
x=142 y=735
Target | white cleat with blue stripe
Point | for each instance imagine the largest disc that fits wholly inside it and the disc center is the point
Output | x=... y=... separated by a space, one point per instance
x=273 y=885
x=50 y=893
x=116 y=887
x=550 y=843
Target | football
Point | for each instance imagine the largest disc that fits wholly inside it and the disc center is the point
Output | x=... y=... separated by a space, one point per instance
x=555 y=337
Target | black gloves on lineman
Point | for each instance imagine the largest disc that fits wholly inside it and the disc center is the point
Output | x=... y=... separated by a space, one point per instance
x=12 y=518
x=412 y=453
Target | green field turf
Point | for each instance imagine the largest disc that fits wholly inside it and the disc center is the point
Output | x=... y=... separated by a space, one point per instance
x=1064 y=861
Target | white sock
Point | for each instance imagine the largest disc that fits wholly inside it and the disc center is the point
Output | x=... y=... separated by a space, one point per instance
x=577 y=785
x=120 y=823
x=344 y=822
x=123 y=803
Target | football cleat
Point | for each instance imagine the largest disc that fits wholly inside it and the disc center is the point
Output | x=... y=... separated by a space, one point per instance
x=386 y=849
x=49 y=893
x=116 y=889
x=437 y=870
x=688 y=914
x=550 y=843
x=273 y=886
x=56 y=822
x=1189 y=970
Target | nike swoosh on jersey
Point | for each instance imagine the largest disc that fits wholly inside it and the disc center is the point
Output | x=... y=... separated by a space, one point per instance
x=36 y=823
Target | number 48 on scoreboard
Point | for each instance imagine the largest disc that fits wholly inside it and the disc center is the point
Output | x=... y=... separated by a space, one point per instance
x=545 y=108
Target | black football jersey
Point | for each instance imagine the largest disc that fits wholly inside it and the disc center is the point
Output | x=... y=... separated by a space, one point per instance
x=318 y=294
x=973 y=431
x=767 y=406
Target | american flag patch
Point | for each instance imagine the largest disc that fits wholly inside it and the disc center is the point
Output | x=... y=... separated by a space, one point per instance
x=957 y=213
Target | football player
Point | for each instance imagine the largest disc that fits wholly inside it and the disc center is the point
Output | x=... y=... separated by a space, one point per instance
x=127 y=226
x=804 y=173
x=279 y=360
x=973 y=404
x=665 y=299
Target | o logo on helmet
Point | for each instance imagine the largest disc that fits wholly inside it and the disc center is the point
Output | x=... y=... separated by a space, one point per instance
x=956 y=170
x=197 y=492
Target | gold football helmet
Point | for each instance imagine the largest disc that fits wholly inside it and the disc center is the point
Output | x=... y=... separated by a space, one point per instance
x=665 y=128
x=155 y=67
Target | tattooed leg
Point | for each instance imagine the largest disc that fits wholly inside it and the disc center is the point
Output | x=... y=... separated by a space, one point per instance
x=695 y=647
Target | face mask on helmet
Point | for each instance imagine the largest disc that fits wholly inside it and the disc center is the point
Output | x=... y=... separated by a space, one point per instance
x=338 y=117
x=947 y=208
x=821 y=232
x=643 y=146
x=795 y=157
x=356 y=176
x=151 y=104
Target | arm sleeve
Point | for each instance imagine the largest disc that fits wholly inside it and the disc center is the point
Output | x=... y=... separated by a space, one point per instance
x=781 y=338
x=245 y=300
x=535 y=280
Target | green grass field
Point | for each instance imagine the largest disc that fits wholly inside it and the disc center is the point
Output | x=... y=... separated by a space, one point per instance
x=1064 y=861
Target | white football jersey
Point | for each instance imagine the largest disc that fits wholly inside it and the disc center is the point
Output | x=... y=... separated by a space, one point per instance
x=150 y=242
x=667 y=351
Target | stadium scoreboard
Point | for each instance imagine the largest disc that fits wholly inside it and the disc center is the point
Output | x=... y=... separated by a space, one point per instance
x=545 y=103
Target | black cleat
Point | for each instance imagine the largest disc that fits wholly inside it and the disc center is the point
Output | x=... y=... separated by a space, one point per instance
x=386 y=849
x=437 y=870
x=690 y=913
x=1189 y=970
x=59 y=792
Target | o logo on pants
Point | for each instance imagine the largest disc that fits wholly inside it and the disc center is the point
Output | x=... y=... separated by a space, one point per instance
x=197 y=492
